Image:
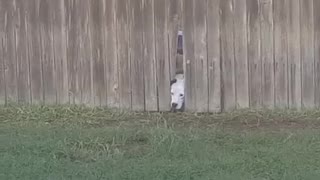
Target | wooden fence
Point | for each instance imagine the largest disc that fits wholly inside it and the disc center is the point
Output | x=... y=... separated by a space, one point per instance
x=122 y=53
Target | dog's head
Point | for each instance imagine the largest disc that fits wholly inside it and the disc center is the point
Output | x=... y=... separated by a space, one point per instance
x=177 y=93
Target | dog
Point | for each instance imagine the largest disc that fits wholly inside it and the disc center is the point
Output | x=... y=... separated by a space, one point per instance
x=177 y=93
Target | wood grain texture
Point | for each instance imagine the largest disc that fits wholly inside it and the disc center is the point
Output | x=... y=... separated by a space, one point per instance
x=111 y=61
x=150 y=73
x=316 y=20
x=21 y=48
x=267 y=52
x=254 y=53
x=307 y=53
x=201 y=58
x=47 y=53
x=213 y=45
x=237 y=53
x=294 y=61
x=123 y=36
x=9 y=10
x=136 y=55
x=280 y=53
x=3 y=67
x=161 y=51
x=227 y=55
x=86 y=62
x=97 y=34
x=73 y=40
x=189 y=55
x=241 y=53
x=34 y=51
x=60 y=50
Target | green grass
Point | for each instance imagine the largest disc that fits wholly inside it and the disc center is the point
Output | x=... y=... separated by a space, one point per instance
x=42 y=142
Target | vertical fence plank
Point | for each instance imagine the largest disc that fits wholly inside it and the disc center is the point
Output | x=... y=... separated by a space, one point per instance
x=294 y=63
x=22 y=53
x=98 y=49
x=123 y=53
x=280 y=52
x=47 y=54
x=2 y=65
x=266 y=28
x=307 y=53
x=136 y=54
x=254 y=57
x=241 y=55
x=2 y=54
x=174 y=25
x=60 y=50
x=86 y=71
x=150 y=78
x=316 y=20
x=34 y=46
x=189 y=55
x=2 y=70
x=227 y=55
x=111 y=61
x=201 y=58
x=73 y=57
x=161 y=50
x=9 y=11
x=214 y=71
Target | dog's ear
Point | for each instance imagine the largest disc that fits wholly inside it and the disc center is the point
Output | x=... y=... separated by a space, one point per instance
x=173 y=81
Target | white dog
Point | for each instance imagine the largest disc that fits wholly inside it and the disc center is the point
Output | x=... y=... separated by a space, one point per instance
x=177 y=93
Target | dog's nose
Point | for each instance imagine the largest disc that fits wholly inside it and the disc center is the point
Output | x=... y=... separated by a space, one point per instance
x=174 y=105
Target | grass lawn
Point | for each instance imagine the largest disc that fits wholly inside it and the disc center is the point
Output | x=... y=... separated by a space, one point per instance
x=82 y=143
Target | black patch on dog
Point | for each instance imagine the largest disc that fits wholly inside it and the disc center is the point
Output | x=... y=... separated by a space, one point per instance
x=173 y=81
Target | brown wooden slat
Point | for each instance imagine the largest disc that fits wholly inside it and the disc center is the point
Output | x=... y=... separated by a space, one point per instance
x=123 y=53
x=280 y=52
x=2 y=55
x=73 y=40
x=307 y=53
x=214 y=71
x=86 y=66
x=161 y=51
x=189 y=55
x=2 y=69
x=294 y=63
x=98 y=49
x=60 y=50
x=254 y=56
x=34 y=51
x=110 y=44
x=240 y=53
x=201 y=58
x=266 y=29
x=316 y=20
x=150 y=78
x=9 y=11
x=22 y=53
x=47 y=54
x=227 y=50
x=136 y=54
